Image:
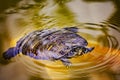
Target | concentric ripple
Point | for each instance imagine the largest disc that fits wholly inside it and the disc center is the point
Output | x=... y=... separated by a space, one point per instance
x=104 y=37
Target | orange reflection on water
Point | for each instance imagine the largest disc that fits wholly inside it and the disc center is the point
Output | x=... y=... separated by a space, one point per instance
x=100 y=59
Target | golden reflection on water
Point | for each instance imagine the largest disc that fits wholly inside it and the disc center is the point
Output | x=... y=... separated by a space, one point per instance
x=100 y=59
x=82 y=66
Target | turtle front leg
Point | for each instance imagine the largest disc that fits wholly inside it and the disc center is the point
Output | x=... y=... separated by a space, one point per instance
x=66 y=62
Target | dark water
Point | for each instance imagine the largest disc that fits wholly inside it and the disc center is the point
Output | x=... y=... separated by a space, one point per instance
x=101 y=30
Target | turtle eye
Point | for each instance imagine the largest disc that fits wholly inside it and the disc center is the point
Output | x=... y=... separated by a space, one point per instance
x=84 y=50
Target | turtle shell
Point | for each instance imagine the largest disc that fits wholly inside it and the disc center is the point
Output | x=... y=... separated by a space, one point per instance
x=50 y=44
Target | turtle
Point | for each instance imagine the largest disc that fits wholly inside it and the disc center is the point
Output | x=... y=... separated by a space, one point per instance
x=51 y=44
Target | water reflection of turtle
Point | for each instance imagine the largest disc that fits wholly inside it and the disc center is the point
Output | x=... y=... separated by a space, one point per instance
x=51 y=44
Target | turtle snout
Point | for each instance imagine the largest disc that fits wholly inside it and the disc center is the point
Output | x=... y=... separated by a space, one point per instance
x=90 y=49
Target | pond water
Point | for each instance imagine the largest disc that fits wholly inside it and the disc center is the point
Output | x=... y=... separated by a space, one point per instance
x=96 y=27
x=104 y=37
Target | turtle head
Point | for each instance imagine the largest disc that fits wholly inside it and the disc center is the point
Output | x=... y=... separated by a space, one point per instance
x=86 y=50
x=80 y=50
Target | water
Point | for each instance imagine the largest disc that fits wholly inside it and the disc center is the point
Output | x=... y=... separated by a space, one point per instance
x=104 y=37
x=101 y=64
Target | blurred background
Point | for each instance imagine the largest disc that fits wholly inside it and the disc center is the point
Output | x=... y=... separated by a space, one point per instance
x=99 y=23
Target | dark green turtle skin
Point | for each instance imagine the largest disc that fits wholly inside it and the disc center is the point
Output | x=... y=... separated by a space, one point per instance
x=51 y=44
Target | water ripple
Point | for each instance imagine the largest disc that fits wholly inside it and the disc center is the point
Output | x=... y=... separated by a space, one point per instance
x=105 y=38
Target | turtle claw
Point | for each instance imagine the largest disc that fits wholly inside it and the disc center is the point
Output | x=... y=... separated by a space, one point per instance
x=66 y=62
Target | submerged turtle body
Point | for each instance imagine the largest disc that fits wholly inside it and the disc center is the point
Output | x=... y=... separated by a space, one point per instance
x=51 y=44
